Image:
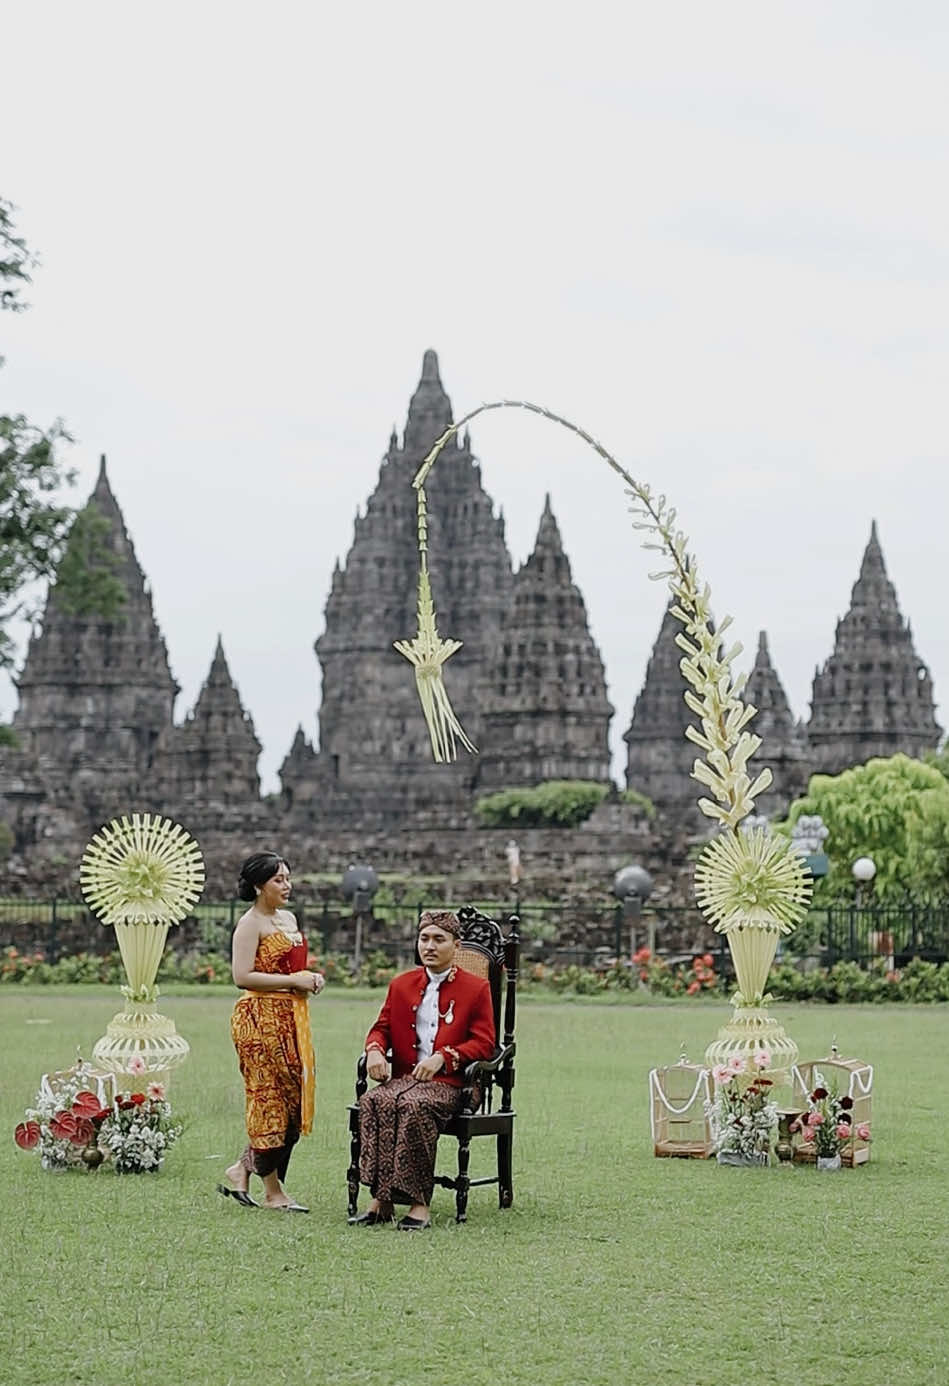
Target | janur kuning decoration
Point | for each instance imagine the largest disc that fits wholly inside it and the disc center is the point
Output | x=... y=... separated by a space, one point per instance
x=750 y=886
x=141 y=875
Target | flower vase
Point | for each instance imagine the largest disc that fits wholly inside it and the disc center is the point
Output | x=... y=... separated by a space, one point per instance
x=733 y=1157
x=139 y=1032
x=828 y=1162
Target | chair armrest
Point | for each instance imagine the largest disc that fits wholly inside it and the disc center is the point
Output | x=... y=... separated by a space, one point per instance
x=473 y=1070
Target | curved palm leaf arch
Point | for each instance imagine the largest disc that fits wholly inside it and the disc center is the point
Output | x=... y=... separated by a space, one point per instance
x=748 y=884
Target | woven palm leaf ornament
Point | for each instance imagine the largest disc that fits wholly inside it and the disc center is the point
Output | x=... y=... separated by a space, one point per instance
x=141 y=875
x=142 y=870
x=750 y=886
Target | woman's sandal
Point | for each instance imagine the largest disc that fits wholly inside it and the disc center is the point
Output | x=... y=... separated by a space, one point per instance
x=240 y=1196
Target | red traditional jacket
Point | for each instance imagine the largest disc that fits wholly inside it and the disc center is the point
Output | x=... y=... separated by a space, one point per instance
x=465 y=1022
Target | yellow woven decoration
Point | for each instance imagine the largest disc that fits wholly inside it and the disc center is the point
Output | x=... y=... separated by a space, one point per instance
x=752 y=887
x=428 y=652
x=143 y=870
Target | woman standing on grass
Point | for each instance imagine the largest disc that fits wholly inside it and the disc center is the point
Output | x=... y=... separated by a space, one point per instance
x=270 y=1027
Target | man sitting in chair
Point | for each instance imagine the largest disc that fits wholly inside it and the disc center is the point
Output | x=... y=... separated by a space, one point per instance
x=436 y=1019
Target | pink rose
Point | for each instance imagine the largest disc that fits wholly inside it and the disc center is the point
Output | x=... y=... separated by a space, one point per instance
x=843 y=1131
x=863 y=1131
x=806 y=1133
x=795 y=1125
x=815 y=1118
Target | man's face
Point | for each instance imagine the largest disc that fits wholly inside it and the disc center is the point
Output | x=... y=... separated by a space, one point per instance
x=436 y=947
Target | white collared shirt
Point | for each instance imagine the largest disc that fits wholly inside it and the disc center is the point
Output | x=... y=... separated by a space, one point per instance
x=426 y=1017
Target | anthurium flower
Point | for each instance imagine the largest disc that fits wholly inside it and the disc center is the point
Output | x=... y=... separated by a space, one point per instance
x=84 y=1132
x=63 y=1126
x=27 y=1134
x=85 y=1104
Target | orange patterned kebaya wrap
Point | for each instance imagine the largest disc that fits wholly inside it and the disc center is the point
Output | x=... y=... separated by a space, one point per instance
x=271 y=1033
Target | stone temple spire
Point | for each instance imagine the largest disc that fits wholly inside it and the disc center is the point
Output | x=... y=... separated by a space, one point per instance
x=214 y=752
x=659 y=759
x=874 y=695
x=372 y=734
x=546 y=715
x=96 y=694
x=429 y=410
x=784 y=744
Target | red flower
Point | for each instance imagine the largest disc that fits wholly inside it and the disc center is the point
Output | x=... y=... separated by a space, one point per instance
x=818 y=1093
x=27 y=1134
x=63 y=1126
x=125 y=1104
x=85 y=1104
x=84 y=1133
x=136 y=1098
x=846 y=1103
x=708 y=959
x=693 y=987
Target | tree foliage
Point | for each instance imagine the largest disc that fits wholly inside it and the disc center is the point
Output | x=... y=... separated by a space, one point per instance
x=86 y=578
x=554 y=804
x=894 y=810
x=33 y=521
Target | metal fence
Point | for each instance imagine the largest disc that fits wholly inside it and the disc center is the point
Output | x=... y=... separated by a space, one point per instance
x=557 y=935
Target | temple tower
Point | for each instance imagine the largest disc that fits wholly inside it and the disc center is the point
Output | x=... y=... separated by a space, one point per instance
x=545 y=713
x=214 y=753
x=372 y=734
x=874 y=695
x=96 y=694
x=659 y=759
x=784 y=750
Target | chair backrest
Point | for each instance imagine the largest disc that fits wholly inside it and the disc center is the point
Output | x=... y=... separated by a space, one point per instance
x=486 y=952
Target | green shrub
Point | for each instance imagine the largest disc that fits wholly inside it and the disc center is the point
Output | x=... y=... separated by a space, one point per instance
x=555 y=804
x=633 y=796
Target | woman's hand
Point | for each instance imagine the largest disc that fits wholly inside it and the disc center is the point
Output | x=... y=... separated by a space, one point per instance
x=307 y=981
x=427 y=1068
x=376 y=1066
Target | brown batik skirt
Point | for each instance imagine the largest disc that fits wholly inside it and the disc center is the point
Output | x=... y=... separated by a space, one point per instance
x=399 y=1125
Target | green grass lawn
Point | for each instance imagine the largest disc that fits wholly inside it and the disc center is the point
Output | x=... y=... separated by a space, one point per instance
x=612 y=1266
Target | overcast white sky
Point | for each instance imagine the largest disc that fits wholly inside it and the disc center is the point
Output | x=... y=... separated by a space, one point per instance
x=716 y=236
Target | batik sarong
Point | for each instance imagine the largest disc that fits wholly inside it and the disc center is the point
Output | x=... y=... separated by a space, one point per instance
x=271 y=1033
x=399 y=1125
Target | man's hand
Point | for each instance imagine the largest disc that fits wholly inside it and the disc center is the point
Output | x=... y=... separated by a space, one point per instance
x=376 y=1066
x=427 y=1068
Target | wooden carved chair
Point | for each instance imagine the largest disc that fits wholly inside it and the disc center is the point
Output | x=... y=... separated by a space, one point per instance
x=486 y=1108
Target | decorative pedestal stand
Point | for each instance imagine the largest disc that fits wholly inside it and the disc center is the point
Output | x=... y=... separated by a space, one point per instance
x=753 y=940
x=139 y=1030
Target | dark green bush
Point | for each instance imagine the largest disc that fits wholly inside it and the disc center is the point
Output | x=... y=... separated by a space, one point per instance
x=555 y=804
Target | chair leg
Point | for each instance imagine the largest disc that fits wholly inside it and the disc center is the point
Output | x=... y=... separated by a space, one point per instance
x=505 y=1170
x=352 y=1174
x=464 y=1183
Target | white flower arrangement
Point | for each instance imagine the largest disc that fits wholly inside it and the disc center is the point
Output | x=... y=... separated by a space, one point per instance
x=742 y=1116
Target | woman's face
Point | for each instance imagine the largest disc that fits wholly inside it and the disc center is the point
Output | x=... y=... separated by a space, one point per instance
x=275 y=893
x=436 y=947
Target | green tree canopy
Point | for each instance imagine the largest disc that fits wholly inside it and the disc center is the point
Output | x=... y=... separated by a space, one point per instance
x=893 y=809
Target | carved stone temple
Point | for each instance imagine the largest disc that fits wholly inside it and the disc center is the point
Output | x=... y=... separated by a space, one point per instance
x=96 y=734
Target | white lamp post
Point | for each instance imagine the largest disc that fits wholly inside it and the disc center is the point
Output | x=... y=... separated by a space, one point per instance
x=864 y=869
